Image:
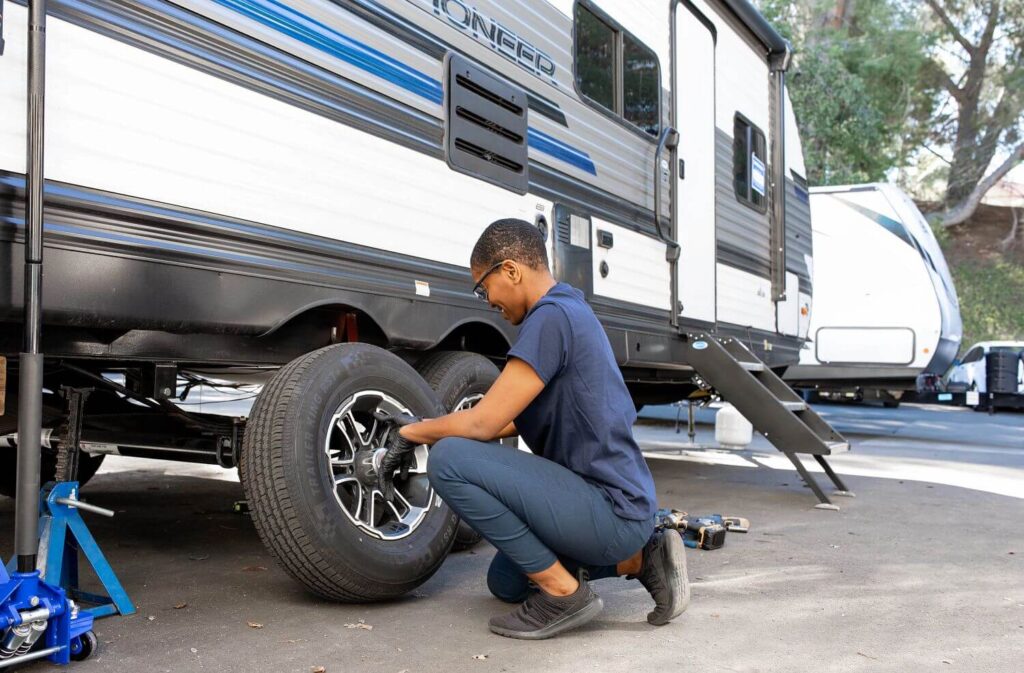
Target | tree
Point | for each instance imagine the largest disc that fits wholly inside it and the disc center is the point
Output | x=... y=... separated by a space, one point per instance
x=858 y=84
x=981 y=71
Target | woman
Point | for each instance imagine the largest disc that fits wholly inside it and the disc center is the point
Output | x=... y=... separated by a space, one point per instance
x=580 y=506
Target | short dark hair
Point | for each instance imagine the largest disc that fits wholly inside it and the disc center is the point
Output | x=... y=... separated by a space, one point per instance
x=513 y=239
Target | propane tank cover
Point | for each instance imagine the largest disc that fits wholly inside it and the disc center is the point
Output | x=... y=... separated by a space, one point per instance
x=732 y=429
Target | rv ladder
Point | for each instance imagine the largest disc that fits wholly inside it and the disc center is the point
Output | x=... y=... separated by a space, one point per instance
x=771 y=406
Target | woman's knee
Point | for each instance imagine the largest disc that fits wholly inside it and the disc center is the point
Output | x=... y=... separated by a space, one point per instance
x=506 y=581
x=441 y=460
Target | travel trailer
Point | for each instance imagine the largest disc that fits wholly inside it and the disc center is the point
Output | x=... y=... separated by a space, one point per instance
x=286 y=193
x=885 y=308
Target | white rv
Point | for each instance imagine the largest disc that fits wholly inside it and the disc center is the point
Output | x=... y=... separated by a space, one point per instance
x=885 y=308
x=236 y=188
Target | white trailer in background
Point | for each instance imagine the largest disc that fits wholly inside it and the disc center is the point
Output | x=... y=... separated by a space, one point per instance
x=885 y=309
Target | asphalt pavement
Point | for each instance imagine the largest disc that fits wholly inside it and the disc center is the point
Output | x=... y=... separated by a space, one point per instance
x=921 y=571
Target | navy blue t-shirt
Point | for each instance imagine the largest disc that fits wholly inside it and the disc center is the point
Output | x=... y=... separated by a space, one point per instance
x=583 y=418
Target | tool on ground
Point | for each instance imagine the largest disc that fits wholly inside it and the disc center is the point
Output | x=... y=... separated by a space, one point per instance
x=701 y=532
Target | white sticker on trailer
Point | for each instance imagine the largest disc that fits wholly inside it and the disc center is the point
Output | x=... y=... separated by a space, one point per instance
x=579 y=231
x=756 y=174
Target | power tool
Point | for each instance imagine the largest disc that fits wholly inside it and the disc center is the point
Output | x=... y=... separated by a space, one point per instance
x=701 y=532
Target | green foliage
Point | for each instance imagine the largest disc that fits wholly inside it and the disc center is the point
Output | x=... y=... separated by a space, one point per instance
x=991 y=293
x=977 y=64
x=858 y=87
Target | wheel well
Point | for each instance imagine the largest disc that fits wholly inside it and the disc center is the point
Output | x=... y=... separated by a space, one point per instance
x=476 y=337
x=336 y=322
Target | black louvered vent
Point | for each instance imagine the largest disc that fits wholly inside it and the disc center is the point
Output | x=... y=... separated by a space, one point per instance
x=485 y=125
x=563 y=227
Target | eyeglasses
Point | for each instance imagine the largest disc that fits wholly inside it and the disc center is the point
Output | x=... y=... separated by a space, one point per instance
x=479 y=290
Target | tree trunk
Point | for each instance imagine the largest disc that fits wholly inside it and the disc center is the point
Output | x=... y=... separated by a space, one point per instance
x=966 y=207
x=1011 y=238
x=975 y=143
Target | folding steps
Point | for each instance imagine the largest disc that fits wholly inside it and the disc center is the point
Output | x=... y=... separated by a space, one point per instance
x=771 y=406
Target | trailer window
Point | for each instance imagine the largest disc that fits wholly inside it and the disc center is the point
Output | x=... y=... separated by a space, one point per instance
x=615 y=71
x=639 y=85
x=595 y=58
x=749 y=164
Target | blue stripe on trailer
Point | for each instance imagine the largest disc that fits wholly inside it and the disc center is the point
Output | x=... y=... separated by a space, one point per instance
x=309 y=31
x=287 y=21
x=542 y=142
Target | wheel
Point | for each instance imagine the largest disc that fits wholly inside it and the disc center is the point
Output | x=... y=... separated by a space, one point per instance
x=460 y=379
x=308 y=470
x=84 y=646
x=87 y=467
x=891 y=404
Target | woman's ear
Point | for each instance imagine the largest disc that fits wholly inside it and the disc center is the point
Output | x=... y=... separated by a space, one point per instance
x=512 y=270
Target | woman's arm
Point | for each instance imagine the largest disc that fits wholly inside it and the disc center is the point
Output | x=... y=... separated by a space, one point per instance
x=509 y=431
x=492 y=416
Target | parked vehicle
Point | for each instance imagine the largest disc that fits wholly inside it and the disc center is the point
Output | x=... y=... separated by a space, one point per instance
x=991 y=375
x=885 y=307
x=287 y=194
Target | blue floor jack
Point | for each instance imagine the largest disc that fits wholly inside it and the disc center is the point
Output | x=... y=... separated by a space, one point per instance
x=40 y=615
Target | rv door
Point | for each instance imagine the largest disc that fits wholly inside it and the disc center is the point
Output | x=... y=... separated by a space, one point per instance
x=693 y=112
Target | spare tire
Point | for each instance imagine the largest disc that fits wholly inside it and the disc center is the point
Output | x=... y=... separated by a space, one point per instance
x=307 y=467
x=461 y=380
x=1001 y=371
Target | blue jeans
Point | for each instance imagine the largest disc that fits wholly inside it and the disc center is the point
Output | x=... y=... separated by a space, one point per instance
x=534 y=511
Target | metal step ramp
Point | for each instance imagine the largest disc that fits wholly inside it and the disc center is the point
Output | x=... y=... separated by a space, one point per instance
x=771 y=406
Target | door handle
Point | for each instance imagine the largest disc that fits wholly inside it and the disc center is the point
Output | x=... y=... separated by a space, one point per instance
x=669 y=140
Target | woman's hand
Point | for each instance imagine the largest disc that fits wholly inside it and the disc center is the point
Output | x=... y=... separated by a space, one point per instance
x=492 y=417
x=400 y=451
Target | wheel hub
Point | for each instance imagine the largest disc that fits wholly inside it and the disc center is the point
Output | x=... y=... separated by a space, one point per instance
x=354 y=448
x=367 y=464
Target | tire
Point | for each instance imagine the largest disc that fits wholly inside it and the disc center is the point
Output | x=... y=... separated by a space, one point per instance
x=87 y=467
x=456 y=377
x=289 y=467
x=1001 y=372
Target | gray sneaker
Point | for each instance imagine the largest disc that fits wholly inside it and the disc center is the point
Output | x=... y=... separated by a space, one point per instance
x=663 y=573
x=544 y=616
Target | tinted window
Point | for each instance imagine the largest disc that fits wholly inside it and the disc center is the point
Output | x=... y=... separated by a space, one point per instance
x=740 y=181
x=615 y=70
x=749 y=163
x=595 y=58
x=640 y=85
x=973 y=356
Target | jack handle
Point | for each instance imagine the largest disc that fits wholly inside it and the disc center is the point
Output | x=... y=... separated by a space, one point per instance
x=72 y=502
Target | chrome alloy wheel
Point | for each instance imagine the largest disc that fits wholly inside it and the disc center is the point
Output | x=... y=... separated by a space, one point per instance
x=468 y=402
x=355 y=444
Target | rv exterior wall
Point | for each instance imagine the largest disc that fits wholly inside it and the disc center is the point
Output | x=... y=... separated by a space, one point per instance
x=322 y=127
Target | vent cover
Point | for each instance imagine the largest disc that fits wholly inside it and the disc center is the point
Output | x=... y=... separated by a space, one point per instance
x=485 y=125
